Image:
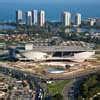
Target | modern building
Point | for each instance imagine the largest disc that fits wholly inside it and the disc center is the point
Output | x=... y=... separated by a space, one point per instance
x=92 y=21
x=66 y=51
x=41 y=18
x=19 y=16
x=75 y=56
x=35 y=17
x=78 y=19
x=29 y=18
x=66 y=18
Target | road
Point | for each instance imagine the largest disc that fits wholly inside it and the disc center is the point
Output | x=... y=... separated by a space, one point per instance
x=66 y=90
x=72 y=88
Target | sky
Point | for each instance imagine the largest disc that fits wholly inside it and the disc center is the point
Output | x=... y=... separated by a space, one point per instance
x=51 y=1
x=53 y=8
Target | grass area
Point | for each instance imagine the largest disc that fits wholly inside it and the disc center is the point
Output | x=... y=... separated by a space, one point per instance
x=57 y=87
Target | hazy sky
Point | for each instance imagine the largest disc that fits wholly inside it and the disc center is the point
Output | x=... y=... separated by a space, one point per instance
x=51 y=1
x=53 y=8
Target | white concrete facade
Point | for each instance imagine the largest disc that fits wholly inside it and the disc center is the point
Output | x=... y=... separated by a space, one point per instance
x=19 y=16
x=66 y=18
x=41 y=18
x=29 y=18
x=35 y=17
x=78 y=19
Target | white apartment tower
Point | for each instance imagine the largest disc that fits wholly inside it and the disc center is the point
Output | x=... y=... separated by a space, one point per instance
x=41 y=18
x=78 y=19
x=29 y=18
x=66 y=18
x=35 y=17
x=19 y=16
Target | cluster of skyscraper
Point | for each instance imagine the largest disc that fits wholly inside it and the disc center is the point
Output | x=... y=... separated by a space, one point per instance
x=38 y=18
x=31 y=17
x=67 y=20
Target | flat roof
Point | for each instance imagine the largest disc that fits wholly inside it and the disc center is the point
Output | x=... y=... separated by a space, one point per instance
x=60 y=48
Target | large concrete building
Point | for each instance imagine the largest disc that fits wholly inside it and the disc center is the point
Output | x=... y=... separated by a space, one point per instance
x=41 y=18
x=29 y=18
x=66 y=18
x=78 y=19
x=19 y=17
x=35 y=17
x=66 y=51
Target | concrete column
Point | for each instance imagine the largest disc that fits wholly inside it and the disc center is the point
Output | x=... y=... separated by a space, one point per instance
x=61 y=54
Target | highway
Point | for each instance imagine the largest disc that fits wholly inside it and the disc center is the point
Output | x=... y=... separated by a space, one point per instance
x=71 y=89
x=67 y=75
x=66 y=90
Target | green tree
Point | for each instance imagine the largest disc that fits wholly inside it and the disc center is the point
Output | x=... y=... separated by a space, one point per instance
x=57 y=97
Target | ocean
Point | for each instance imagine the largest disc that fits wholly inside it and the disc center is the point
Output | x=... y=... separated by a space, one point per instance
x=53 y=10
